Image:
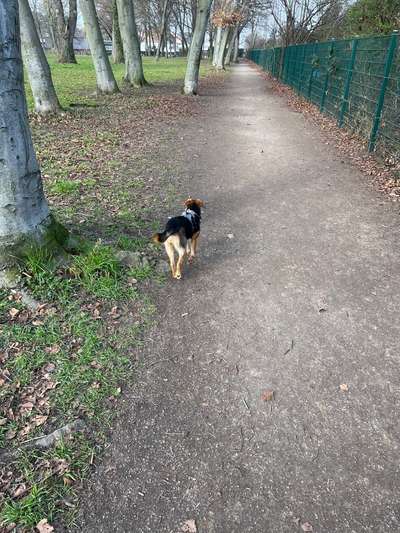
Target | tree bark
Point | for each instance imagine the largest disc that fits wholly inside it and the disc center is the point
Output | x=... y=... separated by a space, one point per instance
x=131 y=45
x=39 y=74
x=217 y=43
x=104 y=75
x=161 y=38
x=62 y=30
x=229 y=50
x=24 y=213
x=117 y=49
x=194 y=58
x=220 y=59
x=235 y=58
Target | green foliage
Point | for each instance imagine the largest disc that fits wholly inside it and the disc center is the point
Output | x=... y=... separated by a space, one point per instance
x=367 y=17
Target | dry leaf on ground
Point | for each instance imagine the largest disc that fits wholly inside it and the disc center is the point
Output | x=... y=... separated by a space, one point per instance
x=344 y=387
x=189 y=527
x=44 y=527
x=267 y=395
x=306 y=526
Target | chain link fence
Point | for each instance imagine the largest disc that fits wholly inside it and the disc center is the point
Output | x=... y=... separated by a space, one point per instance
x=356 y=81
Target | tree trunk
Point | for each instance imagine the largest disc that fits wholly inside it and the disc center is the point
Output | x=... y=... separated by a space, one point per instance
x=236 y=48
x=62 y=30
x=130 y=41
x=211 y=44
x=161 y=38
x=194 y=58
x=24 y=214
x=104 y=75
x=71 y=29
x=117 y=49
x=229 y=51
x=217 y=43
x=220 y=65
x=44 y=94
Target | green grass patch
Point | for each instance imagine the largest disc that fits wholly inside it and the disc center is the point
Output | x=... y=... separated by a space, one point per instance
x=65 y=361
x=64 y=186
x=76 y=84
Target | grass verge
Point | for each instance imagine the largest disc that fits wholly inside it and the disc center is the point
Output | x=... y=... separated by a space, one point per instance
x=111 y=168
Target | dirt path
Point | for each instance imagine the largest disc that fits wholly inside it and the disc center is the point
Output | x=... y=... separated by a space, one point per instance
x=302 y=299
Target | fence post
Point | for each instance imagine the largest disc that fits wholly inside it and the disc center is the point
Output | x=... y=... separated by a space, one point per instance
x=281 y=62
x=325 y=89
x=348 y=83
x=381 y=98
x=311 y=75
x=303 y=46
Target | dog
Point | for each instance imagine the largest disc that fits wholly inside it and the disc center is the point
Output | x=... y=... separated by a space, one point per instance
x=181 y=235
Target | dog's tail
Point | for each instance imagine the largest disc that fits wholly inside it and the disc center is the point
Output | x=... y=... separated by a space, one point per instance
x=161 y=237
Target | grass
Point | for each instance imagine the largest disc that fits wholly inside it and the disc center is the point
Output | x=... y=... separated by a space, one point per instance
x=111 y=171
x=76 y=84
x=67 y=362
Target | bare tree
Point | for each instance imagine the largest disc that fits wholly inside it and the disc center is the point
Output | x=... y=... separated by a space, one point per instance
x=297 y=21
x=104 y=75
x=39 y=74
x=131 y=45
x=163 y=29
x=63 y=28
x=117 y=48
x=24 y=213
x=193 y=64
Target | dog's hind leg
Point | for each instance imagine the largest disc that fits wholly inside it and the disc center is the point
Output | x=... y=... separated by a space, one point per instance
x=169 y=248
x=180 y=244
x=181 y=259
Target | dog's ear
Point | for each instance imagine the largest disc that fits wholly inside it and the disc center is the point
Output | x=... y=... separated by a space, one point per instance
x=199 y=203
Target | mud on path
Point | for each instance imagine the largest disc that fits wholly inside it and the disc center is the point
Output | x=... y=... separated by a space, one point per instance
x=295 y=290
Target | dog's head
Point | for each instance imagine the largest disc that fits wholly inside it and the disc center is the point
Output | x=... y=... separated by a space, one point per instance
x=190 y=202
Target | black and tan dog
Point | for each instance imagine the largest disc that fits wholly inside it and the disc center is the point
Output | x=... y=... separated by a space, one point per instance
x=181 y=235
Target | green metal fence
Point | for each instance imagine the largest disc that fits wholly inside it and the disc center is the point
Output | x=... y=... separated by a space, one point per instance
x=357 y=81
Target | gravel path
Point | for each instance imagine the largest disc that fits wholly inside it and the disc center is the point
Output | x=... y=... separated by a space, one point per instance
x=296 y=291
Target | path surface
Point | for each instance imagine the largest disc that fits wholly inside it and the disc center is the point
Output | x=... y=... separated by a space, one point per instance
x=194 y=440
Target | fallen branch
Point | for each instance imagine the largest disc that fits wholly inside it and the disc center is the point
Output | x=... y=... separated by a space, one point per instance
x=46 y=441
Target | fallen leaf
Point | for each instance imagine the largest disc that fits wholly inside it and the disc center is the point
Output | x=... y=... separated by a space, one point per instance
x=306 y=526
x=44 y=527
x=24 y=431
x=20 y=491
x=3 y=421
x=10 y=434
x=344 y=387
x=27 y=406
x=37 y=322
x=267 y=395
x=49 y=368
x=189 y=527
x=39 y=420
x=52 y=349
x=13 y=312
